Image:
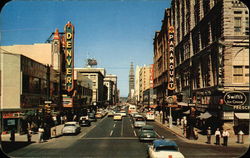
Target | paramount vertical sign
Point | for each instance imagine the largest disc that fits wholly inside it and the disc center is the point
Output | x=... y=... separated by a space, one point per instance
x=171 y=77
x=69 y=56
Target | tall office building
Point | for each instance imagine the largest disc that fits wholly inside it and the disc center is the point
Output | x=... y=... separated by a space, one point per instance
x=131 y=81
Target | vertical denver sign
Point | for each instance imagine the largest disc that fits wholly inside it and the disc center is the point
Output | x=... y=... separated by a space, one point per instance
x=69 y=56
x=171 y=79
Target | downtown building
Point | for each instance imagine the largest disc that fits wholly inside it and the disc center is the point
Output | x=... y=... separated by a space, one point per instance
x=211 y=58
x=96 y=75
x=112 y=93
x=34 y=75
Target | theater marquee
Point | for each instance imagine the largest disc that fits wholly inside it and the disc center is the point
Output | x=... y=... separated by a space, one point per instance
x=171 y=76
x=69 y=56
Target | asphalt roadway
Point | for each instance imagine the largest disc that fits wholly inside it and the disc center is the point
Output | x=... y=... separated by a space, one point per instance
x=107 y=138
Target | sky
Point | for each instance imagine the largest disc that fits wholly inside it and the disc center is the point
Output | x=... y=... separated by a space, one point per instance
x=114 y=32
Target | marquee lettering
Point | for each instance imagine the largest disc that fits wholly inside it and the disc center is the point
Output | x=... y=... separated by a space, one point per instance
x=69 y=53
x=171 y=81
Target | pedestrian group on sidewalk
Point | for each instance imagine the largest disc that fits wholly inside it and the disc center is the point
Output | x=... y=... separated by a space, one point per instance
x=218 y=135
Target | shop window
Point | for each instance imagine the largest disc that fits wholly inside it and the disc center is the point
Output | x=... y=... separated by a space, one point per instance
x=238 y=74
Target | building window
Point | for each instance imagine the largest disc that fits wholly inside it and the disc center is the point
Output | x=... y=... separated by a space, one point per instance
x=237 y=12
x=238 y=74
x=237 y=25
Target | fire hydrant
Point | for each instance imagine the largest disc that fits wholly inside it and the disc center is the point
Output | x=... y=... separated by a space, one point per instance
x=240 y=137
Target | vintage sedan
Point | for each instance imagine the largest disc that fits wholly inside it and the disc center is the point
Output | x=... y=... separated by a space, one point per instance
x=163 y=148
x=117 y=116
x=71 y=128
x=147 y=135
x=139 y=122
x=85 y=122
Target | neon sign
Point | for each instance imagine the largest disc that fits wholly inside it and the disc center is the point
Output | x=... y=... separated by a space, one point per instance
x=171 y=76
x=69 y=56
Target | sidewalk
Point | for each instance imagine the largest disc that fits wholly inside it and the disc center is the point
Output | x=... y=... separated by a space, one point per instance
x=202 y=139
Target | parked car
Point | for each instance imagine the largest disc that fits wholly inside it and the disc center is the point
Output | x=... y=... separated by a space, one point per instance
x=85 y=122
x=139 y=121
x=117 y=116
x=71 y=128
x=162 y=148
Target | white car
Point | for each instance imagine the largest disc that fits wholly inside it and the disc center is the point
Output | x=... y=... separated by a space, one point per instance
x=163 y=148
x=117 y=116
x=71 y=128
x=139 y=121
x=123 y=114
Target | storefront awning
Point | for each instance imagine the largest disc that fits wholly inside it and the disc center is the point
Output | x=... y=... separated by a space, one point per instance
x=186 y=112
x=242 y=116
x=205 y=115
x=182 y=104
x=153 y=106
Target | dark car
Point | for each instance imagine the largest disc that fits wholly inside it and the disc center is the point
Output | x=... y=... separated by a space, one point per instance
x=92 y=117
x=85 y=123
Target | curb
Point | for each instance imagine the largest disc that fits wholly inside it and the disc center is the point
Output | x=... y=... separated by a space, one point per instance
x=197 y=142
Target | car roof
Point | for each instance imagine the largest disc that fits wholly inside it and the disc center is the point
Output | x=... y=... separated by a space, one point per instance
x=164 y=142
x=147 y=127
x=72 y=122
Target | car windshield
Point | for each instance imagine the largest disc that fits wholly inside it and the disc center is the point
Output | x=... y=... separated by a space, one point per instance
x=66 y=125
x=167 y=148
x=147 y=130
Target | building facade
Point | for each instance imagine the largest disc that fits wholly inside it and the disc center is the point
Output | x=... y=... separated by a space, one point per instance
x=114 y=96
x=212 y=55
x=96 y=75
x=25 y=86
x=131 y=83
x=161 y=46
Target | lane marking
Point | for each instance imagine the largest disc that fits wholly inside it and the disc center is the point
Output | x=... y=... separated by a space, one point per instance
x=122 y=128
x=114 y=125
x=111 y=138
x=157 y=134
x=111 y=133
x=135 y=133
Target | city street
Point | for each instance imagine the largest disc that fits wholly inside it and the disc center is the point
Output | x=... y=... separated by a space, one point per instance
x=108 y=138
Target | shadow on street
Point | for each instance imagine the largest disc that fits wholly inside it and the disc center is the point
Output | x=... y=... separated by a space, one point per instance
x=8 y=147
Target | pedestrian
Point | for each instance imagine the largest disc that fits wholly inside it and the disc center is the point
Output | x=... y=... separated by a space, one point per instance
x=12 y=135
x=29 y=135
x=182 y=122
x=225 y=135
x=209 y=135
x=217 y=136
x=196 y=134
x=41 y=134
x=178 y=122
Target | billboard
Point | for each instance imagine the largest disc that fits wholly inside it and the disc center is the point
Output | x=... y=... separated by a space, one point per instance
x=69 y=56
